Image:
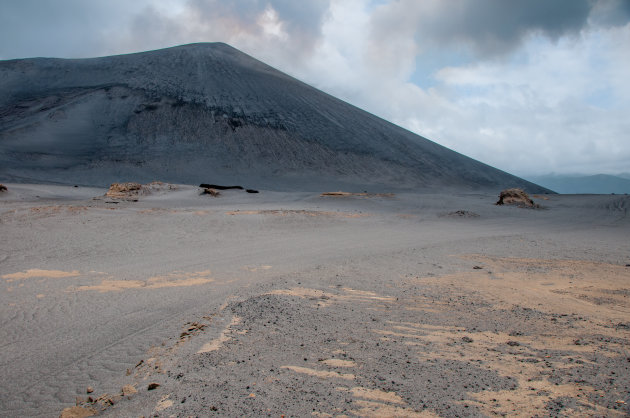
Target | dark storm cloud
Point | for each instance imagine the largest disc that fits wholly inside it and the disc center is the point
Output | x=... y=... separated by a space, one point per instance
x=492 y=27
x=611 y=12
x=496 y=26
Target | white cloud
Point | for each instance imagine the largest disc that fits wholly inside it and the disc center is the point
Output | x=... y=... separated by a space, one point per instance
x=551 y=105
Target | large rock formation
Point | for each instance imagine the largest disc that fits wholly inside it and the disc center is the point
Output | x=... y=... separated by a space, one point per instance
x=208 y=112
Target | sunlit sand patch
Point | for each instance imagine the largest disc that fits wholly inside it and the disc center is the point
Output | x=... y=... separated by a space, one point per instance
x=378 y=409
x=164 y=403
x=324 y=415
x=179 y=279
x=333 y=362
x=521 y=358
x=583 y=297
x=323 y=298
x=327 y=298
x=38 y=273
x=555 y=286
x=533 y=396
x=221 y=339
x=364 y=295
x=320 y=373
x=77 y=412
x=376 y=395
x=176 y=279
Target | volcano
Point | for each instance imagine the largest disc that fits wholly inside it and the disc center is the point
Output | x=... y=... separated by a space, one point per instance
x=209 y=113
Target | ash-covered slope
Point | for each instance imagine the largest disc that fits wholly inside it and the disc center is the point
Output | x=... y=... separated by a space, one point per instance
x=208 y=113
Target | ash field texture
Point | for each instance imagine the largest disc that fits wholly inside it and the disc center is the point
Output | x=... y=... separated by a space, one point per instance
x=412 y=294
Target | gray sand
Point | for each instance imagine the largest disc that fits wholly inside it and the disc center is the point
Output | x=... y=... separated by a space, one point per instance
x=296 y=304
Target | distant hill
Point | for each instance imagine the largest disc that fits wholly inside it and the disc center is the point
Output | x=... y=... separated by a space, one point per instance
x=596 y=184
x=208 y=113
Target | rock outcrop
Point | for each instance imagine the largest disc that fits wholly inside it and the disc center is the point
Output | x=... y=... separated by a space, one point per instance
x=516 y=197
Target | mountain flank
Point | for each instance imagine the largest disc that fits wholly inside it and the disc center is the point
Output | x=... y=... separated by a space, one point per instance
x=593 y=184
x=208 y=113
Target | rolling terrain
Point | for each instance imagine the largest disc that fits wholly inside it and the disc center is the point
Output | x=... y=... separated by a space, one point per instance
x=594 y=184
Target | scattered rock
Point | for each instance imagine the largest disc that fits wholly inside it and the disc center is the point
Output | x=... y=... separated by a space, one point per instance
x=217 y=187
x=462 y=214
x=131 y=191
x=513 y=343
x=339 y=193
x=251 y=191
x=516 y=197
x=123 y=190
x=77 y=412
x=477 y=267
x=89 y=389
x=129 y=390
x=211 y=192
x=3 y=188
x=467 y=339
x=153 y=386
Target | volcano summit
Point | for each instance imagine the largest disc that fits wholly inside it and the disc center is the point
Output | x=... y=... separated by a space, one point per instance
x=208 y=113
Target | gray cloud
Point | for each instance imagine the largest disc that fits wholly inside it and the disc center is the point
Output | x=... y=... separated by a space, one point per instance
x=490 y=28
x=497 y=26
x=246 y=24
x=61 y=28
x=611 y=12
x=301 y=20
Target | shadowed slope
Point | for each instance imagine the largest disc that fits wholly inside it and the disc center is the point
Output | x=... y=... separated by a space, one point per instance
x=208 y=113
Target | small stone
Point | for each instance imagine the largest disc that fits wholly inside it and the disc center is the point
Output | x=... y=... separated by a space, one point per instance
x=477 y=267
x=153 y=386
x=128 y=390
x=513 y=343
x=467 y=339
x=211 y=192
x=90 y=389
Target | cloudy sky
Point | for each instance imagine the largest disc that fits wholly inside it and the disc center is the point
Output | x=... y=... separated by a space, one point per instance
x=528 y=86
